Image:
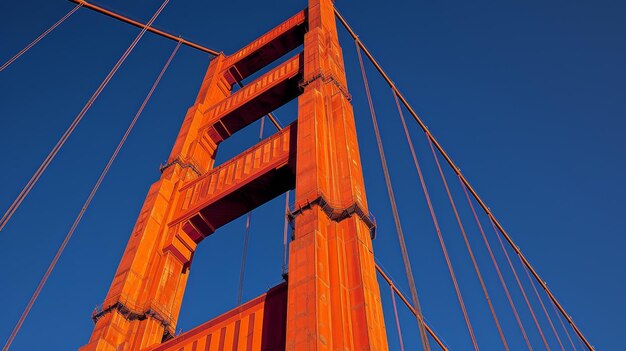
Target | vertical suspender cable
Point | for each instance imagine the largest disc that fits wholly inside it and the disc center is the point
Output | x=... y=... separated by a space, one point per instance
x=395 y=313
x=467 y=243
x=439 y=235
x=580 y=341
x=497 y=267
x=79 y=217
x=543 y=307
x=569 y=337
x=285 y=231
x=394 y=209
x=34 y=42
x=436 y=223
x=456 y=170
x=31 y=183
x=243 y=258
x=438 y=340
x=244 y=255
x=519 y=284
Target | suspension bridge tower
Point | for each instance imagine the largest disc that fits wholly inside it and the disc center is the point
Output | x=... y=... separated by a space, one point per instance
x=331 y=298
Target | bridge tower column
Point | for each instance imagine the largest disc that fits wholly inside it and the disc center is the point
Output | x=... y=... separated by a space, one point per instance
x=333 y=296
x=331 y=300
x=143 y=302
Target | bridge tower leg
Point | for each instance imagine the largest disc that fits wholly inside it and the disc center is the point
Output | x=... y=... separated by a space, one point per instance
x=331 y=300
x=144 y=299
x=334 y=300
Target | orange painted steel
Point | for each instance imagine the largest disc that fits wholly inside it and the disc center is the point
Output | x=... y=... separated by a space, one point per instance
x=248 y=180
x=509 y=240
x=259 y=53
x=332 y=294
x=333 y=297
x=255 y=325
x=255 y=100
x=464 y=180
x=141 y=25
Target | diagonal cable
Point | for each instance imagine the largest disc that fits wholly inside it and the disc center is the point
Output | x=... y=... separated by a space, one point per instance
x=395 y=313
x=569 y=337
x=521 y=287
x=497 y=267
x=55 y=150
x=455 y=168
x=543 y=307
x=79 y=217
x=38 y=39
x=394 y=208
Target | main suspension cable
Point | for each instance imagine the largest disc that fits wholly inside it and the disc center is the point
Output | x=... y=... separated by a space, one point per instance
x=521 y=287
x=394 y=208
x=82 y=211
x=457 y=170
x=497 y=267
x=33 y=180
x=34 y=42
x=132 y=22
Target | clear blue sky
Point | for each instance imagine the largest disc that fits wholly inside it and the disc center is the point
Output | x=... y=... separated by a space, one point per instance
x=529 y=99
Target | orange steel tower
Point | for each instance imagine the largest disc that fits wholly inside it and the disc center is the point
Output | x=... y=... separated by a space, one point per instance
x=331 y=300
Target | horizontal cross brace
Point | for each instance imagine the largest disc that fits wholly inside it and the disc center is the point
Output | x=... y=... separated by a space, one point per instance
x=239 y=185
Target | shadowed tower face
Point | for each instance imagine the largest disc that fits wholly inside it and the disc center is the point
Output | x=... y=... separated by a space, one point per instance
x=331 y=300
